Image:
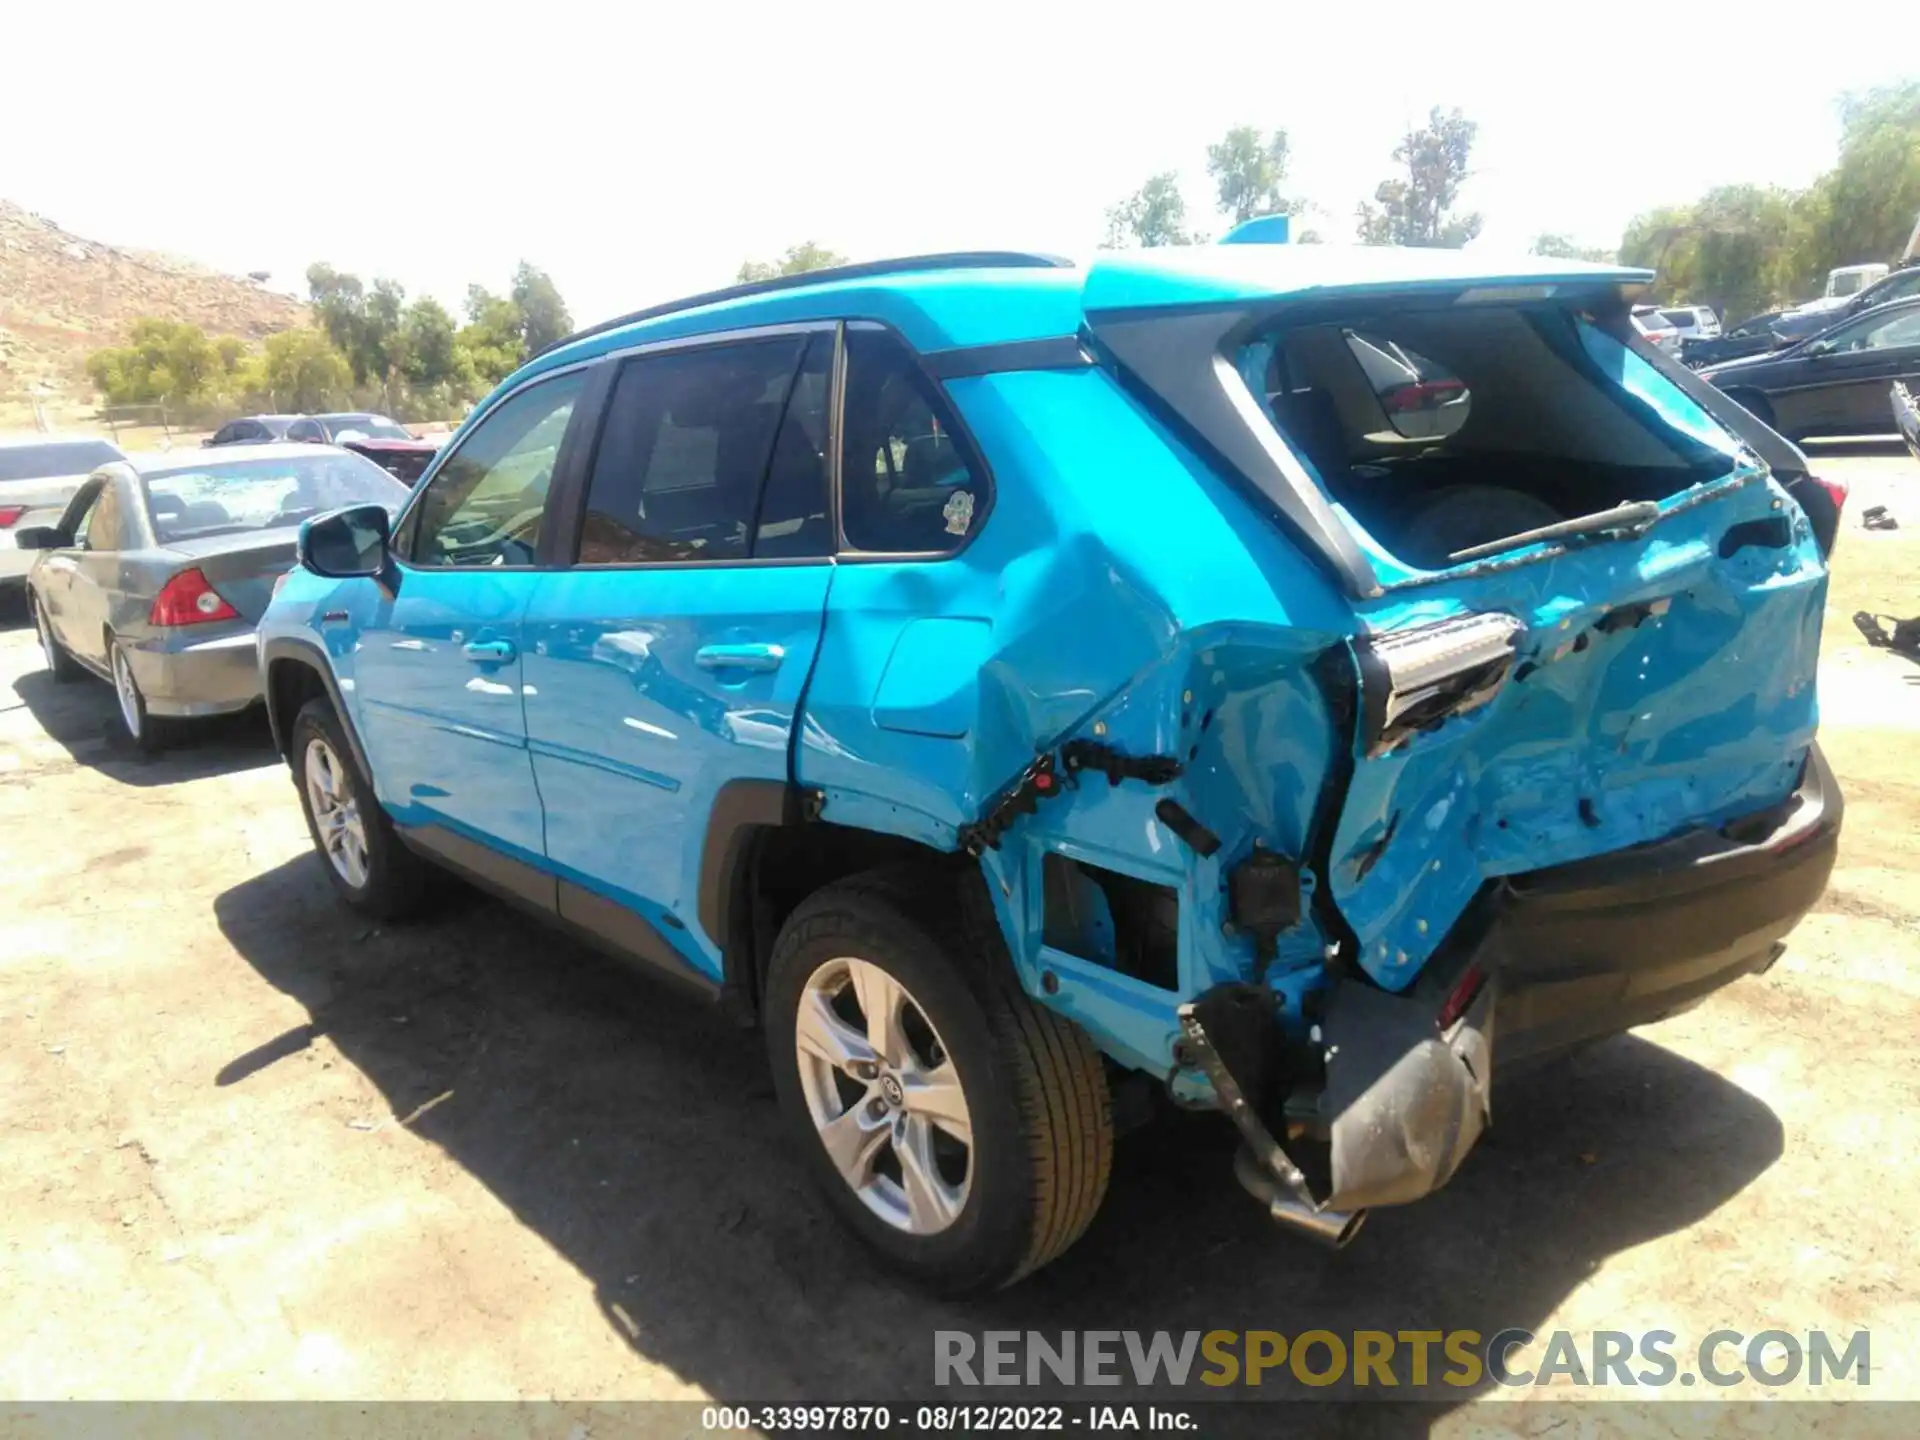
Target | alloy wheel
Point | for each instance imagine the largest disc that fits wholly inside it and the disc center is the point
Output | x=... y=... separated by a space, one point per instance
x=884 y=1095
x=336 y=814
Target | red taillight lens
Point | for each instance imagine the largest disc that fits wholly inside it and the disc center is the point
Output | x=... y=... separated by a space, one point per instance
x=187 y=599
x=1836 y=490
x=10 y=515
x=1465 y=992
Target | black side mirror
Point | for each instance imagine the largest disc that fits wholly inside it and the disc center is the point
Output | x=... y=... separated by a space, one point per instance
x=348 y=544
x=41 y=537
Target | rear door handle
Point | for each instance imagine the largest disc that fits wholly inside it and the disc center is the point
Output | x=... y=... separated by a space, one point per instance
x=739 y=657
x=489 y=652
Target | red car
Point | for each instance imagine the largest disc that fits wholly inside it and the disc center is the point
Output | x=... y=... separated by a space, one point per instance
x=406 y=460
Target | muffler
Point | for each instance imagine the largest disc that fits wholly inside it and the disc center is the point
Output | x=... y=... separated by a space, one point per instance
x=1333 y=1229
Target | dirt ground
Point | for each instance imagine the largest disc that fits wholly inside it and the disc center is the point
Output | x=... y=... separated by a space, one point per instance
x=252 y=1147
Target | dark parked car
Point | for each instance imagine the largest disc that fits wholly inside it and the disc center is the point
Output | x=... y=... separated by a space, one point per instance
x=1750 y=337
x=1804 y=324
x=329 y=429
x=253 y=430
x=1835 y=383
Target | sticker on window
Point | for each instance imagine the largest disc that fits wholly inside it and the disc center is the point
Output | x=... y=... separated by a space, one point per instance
x=959 y=512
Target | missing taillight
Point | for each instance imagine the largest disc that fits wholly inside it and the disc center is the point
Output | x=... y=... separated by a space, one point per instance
x=1414 y=680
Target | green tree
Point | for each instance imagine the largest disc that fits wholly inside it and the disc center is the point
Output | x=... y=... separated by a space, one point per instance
x=1865 y=207
x=1418 y=208
x=339 y=301
x=166 y=361
x=1731 y=249
x=1248 y=170
x=362 y=324
x=543 y=314
x=1154 y=215
x=433 y=355
x=304 y=370
x=493 y=339
x=1563 y=247
x=797 y=261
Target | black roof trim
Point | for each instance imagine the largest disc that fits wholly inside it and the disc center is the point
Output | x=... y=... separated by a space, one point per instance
x=906 y=265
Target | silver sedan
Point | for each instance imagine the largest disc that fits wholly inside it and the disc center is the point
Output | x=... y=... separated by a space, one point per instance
x=159 y=568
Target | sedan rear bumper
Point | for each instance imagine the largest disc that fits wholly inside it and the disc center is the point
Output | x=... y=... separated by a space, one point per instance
x=184 y=677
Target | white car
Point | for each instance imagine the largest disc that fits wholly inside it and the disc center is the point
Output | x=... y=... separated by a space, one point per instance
x=1692 y=322
x=1659 y=331
x=38 y=475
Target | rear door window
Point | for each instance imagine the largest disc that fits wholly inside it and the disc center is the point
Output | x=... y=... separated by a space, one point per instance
x=714 y=454
x=909 y=483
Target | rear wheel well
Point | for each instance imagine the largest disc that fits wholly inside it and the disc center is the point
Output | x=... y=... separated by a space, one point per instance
x=290 y=685
x=779 y=866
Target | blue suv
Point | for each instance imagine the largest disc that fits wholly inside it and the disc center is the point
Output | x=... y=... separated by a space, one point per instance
x=1300 y=681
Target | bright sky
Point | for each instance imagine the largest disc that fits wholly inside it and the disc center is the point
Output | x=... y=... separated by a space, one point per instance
x=641 y=151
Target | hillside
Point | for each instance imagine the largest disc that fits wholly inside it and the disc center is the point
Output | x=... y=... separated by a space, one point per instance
x=63 y=296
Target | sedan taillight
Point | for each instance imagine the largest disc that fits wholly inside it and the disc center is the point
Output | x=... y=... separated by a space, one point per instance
x=10 y=515
x=1836 y=490
x=187 y=599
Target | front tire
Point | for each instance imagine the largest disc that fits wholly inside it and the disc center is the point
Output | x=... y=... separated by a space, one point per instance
x=961 y=1131
x=364 y=859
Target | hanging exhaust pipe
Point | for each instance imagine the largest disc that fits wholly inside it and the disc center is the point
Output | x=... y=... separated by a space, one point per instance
x=1333 y=1229
x=1262 y=1166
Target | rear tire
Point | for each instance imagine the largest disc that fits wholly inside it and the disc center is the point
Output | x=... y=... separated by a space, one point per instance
x=366 y=863
x=1039 y=1132
x=62 y=666
x=146 y=733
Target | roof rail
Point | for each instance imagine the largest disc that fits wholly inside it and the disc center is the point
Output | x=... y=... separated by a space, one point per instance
x=907 y=265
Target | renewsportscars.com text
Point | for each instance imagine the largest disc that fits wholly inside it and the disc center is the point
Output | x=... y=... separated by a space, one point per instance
x=1395 y=1359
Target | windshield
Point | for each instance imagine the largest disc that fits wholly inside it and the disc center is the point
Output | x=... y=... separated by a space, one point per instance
x=373 y=427
x=61 y=457
x=220 y=499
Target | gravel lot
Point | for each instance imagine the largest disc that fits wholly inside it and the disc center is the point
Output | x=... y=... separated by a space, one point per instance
x=251 y=1147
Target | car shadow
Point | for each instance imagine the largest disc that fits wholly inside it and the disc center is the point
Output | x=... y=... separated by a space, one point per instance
x=635 y=1131
x=82 y=717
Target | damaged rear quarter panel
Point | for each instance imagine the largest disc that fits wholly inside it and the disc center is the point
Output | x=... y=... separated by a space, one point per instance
x=1117 y=581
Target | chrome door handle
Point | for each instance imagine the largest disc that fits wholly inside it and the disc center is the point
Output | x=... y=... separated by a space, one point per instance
x=739 y=657
x=489 y=652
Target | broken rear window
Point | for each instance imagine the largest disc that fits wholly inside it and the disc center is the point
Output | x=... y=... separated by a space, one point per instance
x=1438 y=430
